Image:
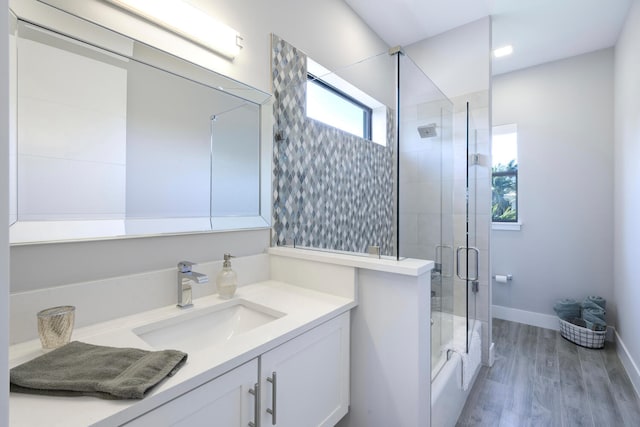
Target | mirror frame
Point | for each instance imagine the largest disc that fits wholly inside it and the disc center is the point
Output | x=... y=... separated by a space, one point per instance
x=52 y=18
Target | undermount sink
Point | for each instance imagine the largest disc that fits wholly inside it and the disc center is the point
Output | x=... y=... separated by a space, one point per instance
x=215 y=325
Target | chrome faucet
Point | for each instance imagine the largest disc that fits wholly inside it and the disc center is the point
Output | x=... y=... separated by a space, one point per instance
x=185 y=276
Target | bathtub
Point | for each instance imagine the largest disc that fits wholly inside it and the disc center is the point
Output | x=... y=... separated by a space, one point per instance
x=447 y=395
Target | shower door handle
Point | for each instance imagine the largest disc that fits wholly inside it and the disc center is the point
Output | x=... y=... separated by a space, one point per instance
x=474 y=250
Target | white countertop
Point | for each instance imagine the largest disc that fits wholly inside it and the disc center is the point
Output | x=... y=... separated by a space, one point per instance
x=404 y=266
x=304 y=310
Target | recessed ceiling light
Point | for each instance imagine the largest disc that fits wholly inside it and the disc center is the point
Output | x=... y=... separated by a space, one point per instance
x=503 y=51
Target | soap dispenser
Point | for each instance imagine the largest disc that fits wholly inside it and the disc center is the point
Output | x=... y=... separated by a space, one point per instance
x=227 y=279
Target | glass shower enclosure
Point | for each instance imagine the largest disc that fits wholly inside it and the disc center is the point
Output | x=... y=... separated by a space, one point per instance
x=426 y=193
x=405 y=191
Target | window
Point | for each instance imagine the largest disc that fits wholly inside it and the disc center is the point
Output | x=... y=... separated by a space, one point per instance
x=330 y=105
x=504 y=175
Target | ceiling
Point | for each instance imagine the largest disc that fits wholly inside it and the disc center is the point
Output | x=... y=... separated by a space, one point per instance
x=539 y=30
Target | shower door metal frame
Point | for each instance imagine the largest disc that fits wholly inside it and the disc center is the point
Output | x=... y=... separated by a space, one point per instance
x=471 y=282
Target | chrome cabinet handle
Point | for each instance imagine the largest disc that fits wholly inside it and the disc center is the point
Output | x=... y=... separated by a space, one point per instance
x=255 y=391
x=477 y=252
x=274 y=392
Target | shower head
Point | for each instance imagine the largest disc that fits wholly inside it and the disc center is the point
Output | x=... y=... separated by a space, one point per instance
x=428 y=131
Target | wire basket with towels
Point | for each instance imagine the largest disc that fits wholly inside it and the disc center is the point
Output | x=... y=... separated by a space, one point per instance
x=582 y=336
x=583 y=323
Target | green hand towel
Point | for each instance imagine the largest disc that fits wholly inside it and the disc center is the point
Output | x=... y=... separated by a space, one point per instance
x=85 y=369
x=567 y=309
x=586 y=305
x=601 y=302
x=591 y=314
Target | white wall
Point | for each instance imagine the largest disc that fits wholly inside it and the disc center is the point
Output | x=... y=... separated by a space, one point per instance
x=4 y=218
x=319 y=28
x=327 y=30
x=627 y=188
x=564 y=114
x=458 y=61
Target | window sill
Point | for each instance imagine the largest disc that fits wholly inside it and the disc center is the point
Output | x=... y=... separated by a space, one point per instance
x=506 y=226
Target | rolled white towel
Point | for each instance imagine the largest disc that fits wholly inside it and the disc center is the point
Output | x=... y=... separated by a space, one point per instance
x=471 y=360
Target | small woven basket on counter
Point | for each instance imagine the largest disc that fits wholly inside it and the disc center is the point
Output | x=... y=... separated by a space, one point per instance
x=582 y=336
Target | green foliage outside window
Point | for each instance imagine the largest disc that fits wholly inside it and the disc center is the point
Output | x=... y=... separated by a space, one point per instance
x=505 y=192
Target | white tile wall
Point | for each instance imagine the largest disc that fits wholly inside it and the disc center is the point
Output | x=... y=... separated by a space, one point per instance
x=55 y=89
x=99 y=194
x=49 y=128
x=409 y=228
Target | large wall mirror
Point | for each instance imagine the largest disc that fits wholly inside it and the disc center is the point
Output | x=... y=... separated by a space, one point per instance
x=115 y=138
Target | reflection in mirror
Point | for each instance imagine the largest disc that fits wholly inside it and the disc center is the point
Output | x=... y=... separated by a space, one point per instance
x=72 y=130
x=235 y=177
x=108 y=145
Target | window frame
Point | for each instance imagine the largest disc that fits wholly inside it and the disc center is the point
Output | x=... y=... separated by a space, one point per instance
x=367 y=112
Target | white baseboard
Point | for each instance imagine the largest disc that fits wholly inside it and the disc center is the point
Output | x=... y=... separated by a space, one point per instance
x=527 y=317
x=534 y=319
x=629 y=364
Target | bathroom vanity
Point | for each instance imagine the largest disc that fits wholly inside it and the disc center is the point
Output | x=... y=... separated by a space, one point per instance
x=284 y=356
x=309 y=337
x=304 y=382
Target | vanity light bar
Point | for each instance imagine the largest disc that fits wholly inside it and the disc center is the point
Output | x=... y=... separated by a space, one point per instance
x=188 y=22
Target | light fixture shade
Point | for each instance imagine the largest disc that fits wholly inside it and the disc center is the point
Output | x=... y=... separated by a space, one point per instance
x=187 y=21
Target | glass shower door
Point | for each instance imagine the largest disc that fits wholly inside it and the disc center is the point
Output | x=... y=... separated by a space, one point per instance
x=444 y=253
x=425 y=202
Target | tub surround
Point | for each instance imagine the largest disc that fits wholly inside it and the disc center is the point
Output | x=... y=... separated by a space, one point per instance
x=448 y=397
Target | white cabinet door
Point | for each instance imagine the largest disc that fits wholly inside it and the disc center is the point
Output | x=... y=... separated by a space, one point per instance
x=304 y=383
x=222 y=402
x=311 y=386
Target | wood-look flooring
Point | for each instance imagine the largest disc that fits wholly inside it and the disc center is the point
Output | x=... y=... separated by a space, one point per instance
x=541 y=379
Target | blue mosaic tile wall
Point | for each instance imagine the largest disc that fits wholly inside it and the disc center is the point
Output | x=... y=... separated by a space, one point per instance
x=331 y=189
